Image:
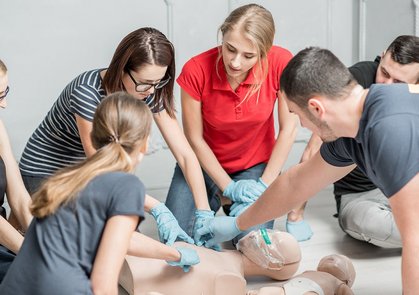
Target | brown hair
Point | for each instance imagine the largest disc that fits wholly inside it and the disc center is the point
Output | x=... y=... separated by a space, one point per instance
x=121 y=126
x=258 y=24
x=143 y=46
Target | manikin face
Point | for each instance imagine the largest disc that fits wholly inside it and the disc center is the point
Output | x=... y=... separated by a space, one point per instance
x=309 y=121
x=390 y=71
x=4 y=83
x=239 y=54
x=147 y=74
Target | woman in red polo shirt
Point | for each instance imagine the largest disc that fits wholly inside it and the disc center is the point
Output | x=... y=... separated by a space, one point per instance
x=228 y=99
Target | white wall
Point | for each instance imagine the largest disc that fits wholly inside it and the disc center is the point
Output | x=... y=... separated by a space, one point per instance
x=47 y=43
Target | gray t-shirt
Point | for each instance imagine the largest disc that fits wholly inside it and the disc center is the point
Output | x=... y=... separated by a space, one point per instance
x=386 y=147
x=58 y=251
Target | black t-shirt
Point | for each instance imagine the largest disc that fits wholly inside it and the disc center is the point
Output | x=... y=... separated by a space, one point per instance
x=355 y=182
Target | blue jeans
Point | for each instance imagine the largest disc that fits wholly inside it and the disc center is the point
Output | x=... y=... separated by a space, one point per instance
x=180 y=199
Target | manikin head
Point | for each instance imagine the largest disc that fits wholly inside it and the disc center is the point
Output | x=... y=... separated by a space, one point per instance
x=332 y=271
x=400 y=62
x=273 y=253
x=339 y=266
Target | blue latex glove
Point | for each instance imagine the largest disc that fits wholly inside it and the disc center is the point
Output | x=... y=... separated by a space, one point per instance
x=168 y=227
x=222 y=228
x=301 y=230
x=238 y=208
x=200 y=217
x=188 y=257
x=245 y=190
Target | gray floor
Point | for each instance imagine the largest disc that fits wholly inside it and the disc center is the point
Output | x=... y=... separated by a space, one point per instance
x=378 y=270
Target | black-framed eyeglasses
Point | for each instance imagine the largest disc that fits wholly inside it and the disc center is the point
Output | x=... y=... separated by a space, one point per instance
x=141 y=87
x=5 y=93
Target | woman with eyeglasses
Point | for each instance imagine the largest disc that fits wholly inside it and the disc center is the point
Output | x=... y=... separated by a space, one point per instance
x=144 y=66
x=11 y=185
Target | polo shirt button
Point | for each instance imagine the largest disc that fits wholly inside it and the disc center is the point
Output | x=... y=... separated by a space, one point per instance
x=239 y=109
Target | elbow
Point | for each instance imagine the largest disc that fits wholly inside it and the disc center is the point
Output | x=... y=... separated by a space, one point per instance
x=99 y=288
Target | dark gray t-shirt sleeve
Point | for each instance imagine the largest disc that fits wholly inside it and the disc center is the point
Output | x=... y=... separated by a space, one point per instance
x=394 y=154
x=127 y=197
x=335 y=153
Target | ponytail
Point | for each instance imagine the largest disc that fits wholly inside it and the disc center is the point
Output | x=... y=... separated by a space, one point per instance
x=120 y=130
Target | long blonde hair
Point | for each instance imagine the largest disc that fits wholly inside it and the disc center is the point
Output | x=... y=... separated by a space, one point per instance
x=259 y=26
x=121 y=127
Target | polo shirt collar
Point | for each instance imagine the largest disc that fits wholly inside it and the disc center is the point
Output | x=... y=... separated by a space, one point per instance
x=219 y=80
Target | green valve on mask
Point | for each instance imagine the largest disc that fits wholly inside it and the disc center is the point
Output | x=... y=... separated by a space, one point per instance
x=265 y=236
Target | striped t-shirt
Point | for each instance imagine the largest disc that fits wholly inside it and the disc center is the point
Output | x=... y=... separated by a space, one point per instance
x=56 y=142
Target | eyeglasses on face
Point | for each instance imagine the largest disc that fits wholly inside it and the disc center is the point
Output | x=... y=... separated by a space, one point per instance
x=4 y=93
x=141 y=87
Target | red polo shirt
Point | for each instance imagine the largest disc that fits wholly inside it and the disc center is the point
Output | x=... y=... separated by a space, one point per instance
x=240 y=136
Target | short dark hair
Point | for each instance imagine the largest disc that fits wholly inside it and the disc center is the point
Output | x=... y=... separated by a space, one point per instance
x=405 y=49
x=315 y=71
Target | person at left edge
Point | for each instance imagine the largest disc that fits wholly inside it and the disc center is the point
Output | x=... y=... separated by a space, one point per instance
x=144 y=66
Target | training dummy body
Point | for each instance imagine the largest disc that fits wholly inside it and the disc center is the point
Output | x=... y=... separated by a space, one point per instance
x=218 y=273
x=334 y=276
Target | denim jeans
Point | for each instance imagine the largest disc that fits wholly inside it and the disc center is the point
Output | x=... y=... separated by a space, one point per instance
x=180 y=199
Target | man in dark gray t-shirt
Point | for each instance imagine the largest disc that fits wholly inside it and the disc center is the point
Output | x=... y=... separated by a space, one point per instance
x=376 y=129
x=363 y=210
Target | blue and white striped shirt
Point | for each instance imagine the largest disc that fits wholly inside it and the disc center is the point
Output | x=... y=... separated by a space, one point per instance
x=56 y=142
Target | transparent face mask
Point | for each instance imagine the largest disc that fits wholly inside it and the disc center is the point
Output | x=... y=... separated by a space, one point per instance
x=263 y=247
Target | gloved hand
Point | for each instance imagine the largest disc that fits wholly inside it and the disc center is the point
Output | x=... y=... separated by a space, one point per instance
x=238 y=208
x=301 y=230
x=168 y=227
x=222 y=228
x=188 y=257
x=200 y=217
x=245 y=190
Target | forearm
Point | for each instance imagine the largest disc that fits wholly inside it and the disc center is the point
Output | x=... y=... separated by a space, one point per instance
x=272 y=204
x=150 y=202
x=312 y=147
x=210 y=164
x=20 y=202
x=279 y=154
x=9 y=236
x=185 y=157
x=193 y=175
x=291 y=189
x=410 y=267
x=143 y=246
